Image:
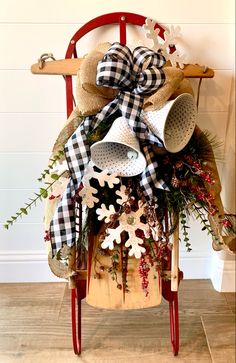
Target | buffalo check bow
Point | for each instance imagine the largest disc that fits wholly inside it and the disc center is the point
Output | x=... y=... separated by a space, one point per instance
x=134 y=75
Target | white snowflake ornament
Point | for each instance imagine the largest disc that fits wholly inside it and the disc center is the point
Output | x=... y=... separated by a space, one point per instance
x=113 y=236
x=123 y=197
x=129 y=223
x=104 y=177
x=103 y=212
x=88 y=199
x=171 y=37
x=136 y=250
x=87 y=192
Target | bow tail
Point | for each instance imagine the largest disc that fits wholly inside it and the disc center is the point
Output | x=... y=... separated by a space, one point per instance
x=63 y=227
x=63 y=224
x=149 y=178
x=107 y=111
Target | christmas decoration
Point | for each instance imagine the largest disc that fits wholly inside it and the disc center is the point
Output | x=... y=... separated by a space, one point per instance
x=134 y=215
x=171 y=37
x=87 y=192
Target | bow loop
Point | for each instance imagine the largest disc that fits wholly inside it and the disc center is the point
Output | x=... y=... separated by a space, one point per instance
x=147 y=70
x=114 y=70
x=139 y=72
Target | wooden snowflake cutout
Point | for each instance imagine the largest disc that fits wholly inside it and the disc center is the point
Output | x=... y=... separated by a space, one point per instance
x=87 y=196
x=171 y=38
x=113 y=235
x=87 y=193
x=103 y=212
x=129 y=223
x=123 y=196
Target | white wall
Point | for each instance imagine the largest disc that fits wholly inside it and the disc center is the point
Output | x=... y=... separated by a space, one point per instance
x=32 y=108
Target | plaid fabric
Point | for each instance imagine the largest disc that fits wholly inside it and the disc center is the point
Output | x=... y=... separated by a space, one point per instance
x=64 y=227
x=134 y=74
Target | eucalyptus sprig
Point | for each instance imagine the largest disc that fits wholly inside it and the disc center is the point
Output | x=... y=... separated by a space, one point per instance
x=42 y=194
x=50 y=166
x=185 y=228
x=206 y=225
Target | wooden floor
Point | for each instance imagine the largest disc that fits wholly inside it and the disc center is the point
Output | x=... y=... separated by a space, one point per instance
x=35 y=327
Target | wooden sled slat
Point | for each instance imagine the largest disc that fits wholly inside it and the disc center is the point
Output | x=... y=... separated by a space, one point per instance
x=70 y=67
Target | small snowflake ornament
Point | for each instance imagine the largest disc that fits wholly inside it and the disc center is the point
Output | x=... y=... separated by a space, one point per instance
x=129 y=223
x=105 y=177
x=87 y=196
x=102 y=177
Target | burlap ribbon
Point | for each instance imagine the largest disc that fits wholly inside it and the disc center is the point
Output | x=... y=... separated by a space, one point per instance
x=91 y=98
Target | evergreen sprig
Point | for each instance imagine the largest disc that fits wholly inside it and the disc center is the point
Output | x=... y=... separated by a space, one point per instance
x=206 y=225
x=185 y=227
x=42 y=194
x=49 y=168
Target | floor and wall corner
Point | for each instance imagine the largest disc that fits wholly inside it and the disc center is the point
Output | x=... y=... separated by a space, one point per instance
x=32 y=112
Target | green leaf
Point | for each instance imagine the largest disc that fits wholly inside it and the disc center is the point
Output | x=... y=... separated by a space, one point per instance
x=43 y=193
x=55 y=176
x=24 y=211
x=6 y=226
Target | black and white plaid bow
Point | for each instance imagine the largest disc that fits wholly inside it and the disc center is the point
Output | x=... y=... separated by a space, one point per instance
x=134 y=75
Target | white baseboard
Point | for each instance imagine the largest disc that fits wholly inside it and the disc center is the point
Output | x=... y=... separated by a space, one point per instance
x=25 y=266
x=195 y=265
x=223 y=272
x=32 y=266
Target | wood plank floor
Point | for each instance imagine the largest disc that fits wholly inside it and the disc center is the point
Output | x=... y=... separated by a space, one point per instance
x=35 y=327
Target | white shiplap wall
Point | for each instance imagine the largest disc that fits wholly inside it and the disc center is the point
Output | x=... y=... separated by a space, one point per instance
x=32 y=108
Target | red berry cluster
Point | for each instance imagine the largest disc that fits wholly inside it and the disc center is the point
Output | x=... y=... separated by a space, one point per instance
x=47 y=236
x=226 y=223
x=198 y=170
x=206 y=197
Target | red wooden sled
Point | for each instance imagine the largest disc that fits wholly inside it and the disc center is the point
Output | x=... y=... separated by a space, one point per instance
x=69 y=67
x=79 y=293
